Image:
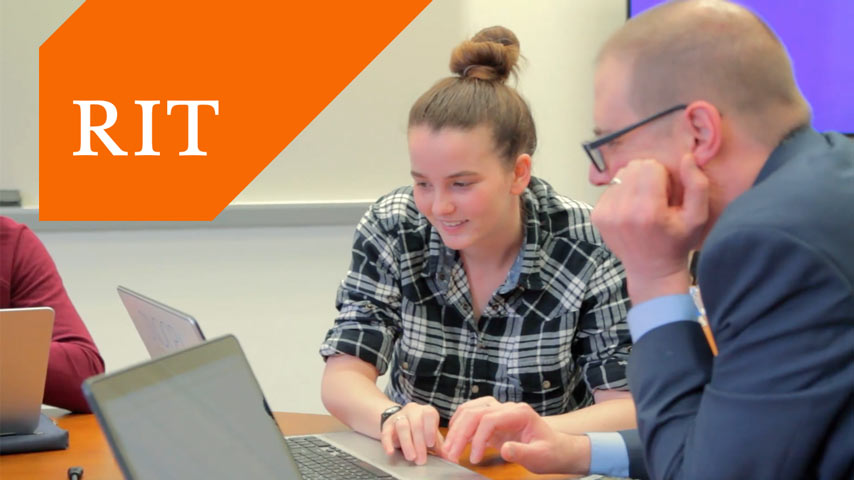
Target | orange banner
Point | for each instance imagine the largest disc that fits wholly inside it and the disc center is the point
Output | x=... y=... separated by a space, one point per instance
x=166 y=110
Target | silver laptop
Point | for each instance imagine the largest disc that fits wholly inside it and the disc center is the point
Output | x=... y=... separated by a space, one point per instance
x=199 y=413
x=25 y=335
x=162 y=328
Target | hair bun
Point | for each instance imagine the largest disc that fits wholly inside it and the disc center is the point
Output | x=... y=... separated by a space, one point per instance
x=490 y=55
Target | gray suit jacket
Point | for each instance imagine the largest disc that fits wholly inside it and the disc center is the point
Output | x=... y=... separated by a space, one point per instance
x=777 y=279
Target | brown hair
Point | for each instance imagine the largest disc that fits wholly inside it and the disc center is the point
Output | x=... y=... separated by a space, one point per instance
x=477 y=95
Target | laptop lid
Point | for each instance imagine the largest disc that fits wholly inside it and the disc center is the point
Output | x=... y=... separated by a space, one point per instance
x=25 y=335
x=194 y=414
x=162 y=328
x=165 y=330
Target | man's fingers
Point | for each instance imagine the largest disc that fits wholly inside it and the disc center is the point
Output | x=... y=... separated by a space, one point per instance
x=462 y=433
x=455 y=416
x=438 y=447
x=695 y=205
x=510 y=452
x=482 y=402
x=530 y=456
x=480 y=438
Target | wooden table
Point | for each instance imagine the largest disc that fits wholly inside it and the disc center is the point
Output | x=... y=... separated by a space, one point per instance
x=89 y=449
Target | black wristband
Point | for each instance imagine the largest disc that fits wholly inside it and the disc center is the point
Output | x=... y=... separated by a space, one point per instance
x=388 y=412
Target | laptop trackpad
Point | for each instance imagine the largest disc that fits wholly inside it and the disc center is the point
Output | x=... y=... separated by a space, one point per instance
x=371 y=451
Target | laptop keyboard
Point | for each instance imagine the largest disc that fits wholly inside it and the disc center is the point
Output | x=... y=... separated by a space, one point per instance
x=318 y=460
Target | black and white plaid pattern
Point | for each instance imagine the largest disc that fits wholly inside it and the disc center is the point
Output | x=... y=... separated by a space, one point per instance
x=553 y=332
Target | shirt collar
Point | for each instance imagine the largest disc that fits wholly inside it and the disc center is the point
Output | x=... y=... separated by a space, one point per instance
x=439 y=257
x=533 y=255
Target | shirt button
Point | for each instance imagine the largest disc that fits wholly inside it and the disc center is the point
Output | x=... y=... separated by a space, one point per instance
x=466 y=307
x=547 y=384
x=442 y=277
x=481 y=345
x=405 y=365
x=475 y=389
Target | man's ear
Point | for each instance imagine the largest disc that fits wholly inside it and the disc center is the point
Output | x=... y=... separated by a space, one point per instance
x=704 y=122
x=521 y=174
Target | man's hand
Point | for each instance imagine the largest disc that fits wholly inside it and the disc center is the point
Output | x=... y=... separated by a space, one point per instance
x=414 y=429
x=651 y=224
x=464 y=423
x=522 y=437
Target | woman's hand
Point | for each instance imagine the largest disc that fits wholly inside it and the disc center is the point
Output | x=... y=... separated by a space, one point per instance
x=414 y=430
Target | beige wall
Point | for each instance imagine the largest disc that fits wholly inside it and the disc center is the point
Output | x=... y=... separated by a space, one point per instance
x=356 y=148
x=275 y=287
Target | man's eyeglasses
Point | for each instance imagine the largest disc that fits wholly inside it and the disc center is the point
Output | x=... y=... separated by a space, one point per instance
x=592 y=147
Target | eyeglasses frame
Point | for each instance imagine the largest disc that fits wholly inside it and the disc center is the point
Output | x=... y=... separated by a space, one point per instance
x=592 y=147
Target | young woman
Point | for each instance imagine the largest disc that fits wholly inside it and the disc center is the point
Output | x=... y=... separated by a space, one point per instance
x=478 y=284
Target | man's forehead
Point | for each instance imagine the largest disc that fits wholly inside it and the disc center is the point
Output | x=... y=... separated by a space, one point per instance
x=611 y=109
x=611 y=77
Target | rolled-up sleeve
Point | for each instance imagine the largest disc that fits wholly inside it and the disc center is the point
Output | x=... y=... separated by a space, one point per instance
x=368 y=299
x=603 y=341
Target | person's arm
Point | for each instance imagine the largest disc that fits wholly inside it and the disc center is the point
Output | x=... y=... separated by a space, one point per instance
x=609 y=454
x=604 y=451
x=73 y=354
x=781 y=319
x=522 y=436
x=360 y=345
x=613 y=410
x=601 y=349
x=634 y=450
x=349 y=391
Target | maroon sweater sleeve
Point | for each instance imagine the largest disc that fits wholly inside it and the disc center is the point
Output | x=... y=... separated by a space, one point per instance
x=29 y=278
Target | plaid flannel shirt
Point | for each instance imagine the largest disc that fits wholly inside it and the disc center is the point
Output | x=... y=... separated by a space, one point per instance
x=551 y=334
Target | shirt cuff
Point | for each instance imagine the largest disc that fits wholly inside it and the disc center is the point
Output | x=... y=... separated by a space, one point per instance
x=660 y=311
x=608 y=454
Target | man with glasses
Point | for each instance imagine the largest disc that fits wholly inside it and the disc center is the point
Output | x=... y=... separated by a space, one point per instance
x=704 y=140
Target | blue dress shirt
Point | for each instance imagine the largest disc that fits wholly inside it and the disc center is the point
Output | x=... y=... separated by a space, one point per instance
x=608 y=455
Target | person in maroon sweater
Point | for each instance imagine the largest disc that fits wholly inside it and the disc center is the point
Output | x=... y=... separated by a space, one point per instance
x=28 y=278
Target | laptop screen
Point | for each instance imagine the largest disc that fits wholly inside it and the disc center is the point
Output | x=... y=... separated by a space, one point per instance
x=162 y=328
x=25 y=338
x=195 y=414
